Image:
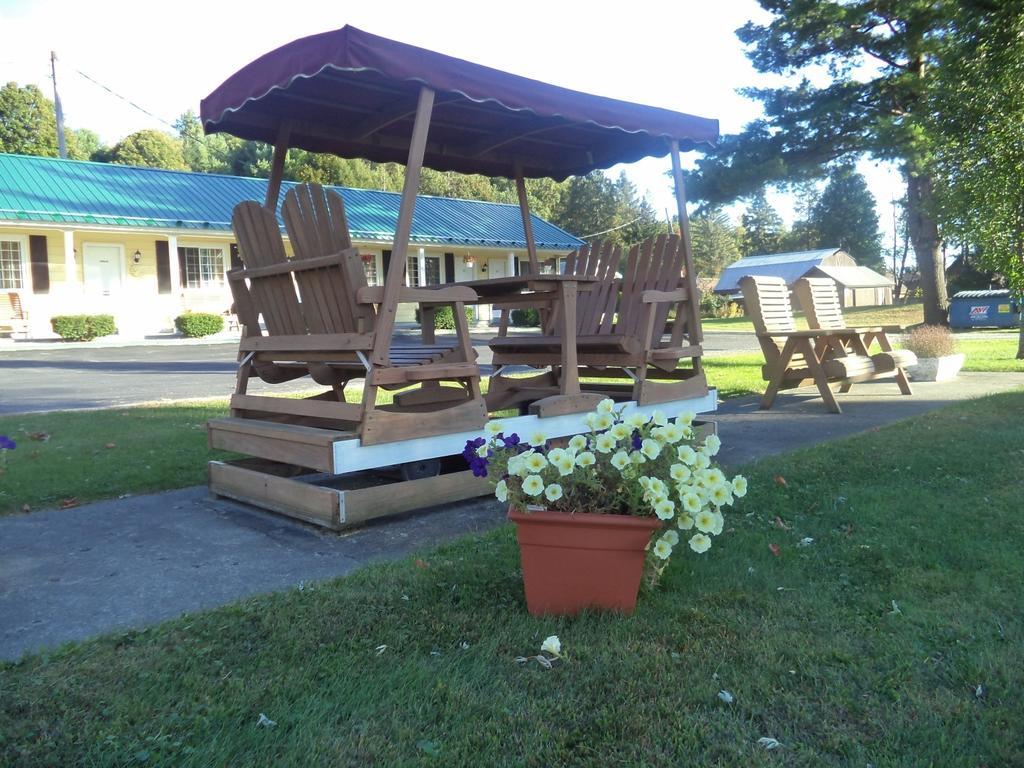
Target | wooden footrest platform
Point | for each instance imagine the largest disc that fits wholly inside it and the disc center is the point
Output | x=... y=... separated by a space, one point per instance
x=288 y=443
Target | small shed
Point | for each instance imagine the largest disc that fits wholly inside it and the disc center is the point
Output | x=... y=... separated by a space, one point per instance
x=858 y=286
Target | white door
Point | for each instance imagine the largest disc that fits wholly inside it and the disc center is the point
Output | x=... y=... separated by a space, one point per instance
x=496 y=267
x=102 y=266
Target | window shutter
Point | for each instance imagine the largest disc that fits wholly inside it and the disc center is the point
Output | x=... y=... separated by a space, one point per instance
x=516 y=262
x=163 y=266
x=181 y=266
x=449 y=267
x=386 y=260
x=40 y=264
x=236 y=260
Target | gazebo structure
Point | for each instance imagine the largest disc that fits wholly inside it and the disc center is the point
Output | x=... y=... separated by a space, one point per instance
x=355 y=94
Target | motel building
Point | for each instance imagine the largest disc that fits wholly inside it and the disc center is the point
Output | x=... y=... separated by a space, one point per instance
x=145 y=244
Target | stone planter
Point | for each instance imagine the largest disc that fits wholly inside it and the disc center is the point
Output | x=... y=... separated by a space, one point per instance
x=572 y=562
x=937 y=368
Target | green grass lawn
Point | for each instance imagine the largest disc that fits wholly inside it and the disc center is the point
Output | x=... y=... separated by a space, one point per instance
x=894 y=638
x=905 y=314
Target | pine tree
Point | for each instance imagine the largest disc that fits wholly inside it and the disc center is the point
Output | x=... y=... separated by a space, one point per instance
x=845 y=217
x=763 y=229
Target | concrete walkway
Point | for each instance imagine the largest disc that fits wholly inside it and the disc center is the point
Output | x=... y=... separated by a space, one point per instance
x=72 y=574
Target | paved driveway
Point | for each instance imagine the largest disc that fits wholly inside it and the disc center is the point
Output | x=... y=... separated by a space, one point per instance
x=56 y=376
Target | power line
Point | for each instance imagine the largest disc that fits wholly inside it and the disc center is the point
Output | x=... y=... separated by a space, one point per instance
x=606 y=231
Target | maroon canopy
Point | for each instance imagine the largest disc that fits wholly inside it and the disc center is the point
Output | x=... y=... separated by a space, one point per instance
x=354 y=94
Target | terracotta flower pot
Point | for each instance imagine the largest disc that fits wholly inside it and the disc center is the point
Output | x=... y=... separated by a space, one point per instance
x=572 y=562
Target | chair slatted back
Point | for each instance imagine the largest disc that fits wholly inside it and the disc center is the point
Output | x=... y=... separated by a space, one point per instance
x=769 y=308
x=595 y=306
x=819 y=299
x=273 y=297
x=654 y=265
x=317 y=226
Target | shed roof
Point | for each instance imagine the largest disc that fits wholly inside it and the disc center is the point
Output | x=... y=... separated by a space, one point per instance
x=74 y=192
x=354 y=94
x=855 y=277
x=789 y=266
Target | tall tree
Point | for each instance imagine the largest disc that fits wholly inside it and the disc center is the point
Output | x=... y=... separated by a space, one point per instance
x=845 y=217
x=152 y=149
x=763 y=228
x=716 y=242
x=28 y=125
x=877 y=56
x=84 y=144
x=588 y=205
x=977 y=131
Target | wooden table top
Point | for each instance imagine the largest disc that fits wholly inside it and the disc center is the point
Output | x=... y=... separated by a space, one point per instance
x=498 y=286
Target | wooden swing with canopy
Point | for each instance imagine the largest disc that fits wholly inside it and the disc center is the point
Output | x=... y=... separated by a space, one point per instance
x=358 y=95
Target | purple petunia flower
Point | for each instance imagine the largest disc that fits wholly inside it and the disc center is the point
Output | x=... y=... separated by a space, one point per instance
x=6 y=444
x=512 y=440
x=637 y=440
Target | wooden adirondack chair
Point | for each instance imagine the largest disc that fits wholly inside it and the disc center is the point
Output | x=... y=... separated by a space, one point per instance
x=795 y=358
x=321 y=317
x=819 y=298
x=619 y=326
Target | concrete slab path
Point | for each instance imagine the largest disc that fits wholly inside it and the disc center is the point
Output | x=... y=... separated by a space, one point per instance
x=71 y=574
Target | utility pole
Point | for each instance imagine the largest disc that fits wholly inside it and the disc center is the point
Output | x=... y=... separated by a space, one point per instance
x=62 y=147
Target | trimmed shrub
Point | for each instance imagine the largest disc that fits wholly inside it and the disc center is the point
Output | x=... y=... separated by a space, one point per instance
x=930 y=341
x=83 y=327
x=444 y=319
x=527 y=317
x=713 y=305
x=197 y=324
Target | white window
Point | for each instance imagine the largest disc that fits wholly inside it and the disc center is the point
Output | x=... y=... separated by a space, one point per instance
x=12 y=270
x=412 y=271
x=370 y=268
x=433 y=265
x=204 y=267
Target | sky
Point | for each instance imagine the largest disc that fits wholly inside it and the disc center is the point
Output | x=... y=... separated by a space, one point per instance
x=681 y=55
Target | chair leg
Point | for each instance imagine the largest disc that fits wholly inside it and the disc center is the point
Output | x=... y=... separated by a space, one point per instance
x=901 y=376
x=814 y=366
x=778 y=375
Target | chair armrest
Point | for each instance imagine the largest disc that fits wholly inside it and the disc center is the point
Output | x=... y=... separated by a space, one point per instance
x=292 y=266
x=819 y=333
x=374 y=294
x=662 y=297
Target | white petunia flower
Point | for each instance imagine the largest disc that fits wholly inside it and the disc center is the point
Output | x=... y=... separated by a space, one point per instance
x=658 y=433
x=493 y=427
x=606 y=406
x=702 y=461
x=672 y=537
x=687 y=433
x=590 y=420
x=621 y=431
x=565 y=464
x=603 y=421
x=686 y=454
x=739 y=486
x=714 y=476
x=712 y=443
x=721 y=495
x=719 y=524
x=685 y=522
x=680 y=473
x=482 y=451
x=533 y=485
x=537 y=439
x=705 y=521
x=691 y=503
x=662 y=549
x=700 y=543
x=501 y=491
x=665 y=509
x=686 y=418
x=555 y=454
x=620 y=460
x=577 y=443
x=553 y=492
x=672 y=434
x=636 y=420
x=585 y=459
x=659 y=418
x=552 y=645
x=650 y=448
x=637 y=458
x=605 y=443
x=535 y=462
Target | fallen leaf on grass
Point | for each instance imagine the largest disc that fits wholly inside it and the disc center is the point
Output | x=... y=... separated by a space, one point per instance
x=768 y=742
x=780 y=480
x=780 y=524
x=726 y=697
x=110 y=445
x=41 y=437
x=265 y=721
x=421 y=563
x=69 y=502
x=26 y=508
x=775 y=549
x=980 y=691
x=380 y=649
x=895 y=609
x=805 y=542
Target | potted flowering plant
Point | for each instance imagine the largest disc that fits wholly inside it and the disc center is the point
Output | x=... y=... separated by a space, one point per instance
x=594 y=512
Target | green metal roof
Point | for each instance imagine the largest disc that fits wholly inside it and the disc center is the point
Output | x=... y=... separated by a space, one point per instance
x=74 y=192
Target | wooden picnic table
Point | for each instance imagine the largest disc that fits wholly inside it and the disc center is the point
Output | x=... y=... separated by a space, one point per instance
x=562 y=291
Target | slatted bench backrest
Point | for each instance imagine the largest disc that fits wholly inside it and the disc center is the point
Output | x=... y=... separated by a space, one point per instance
x=819 y=299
